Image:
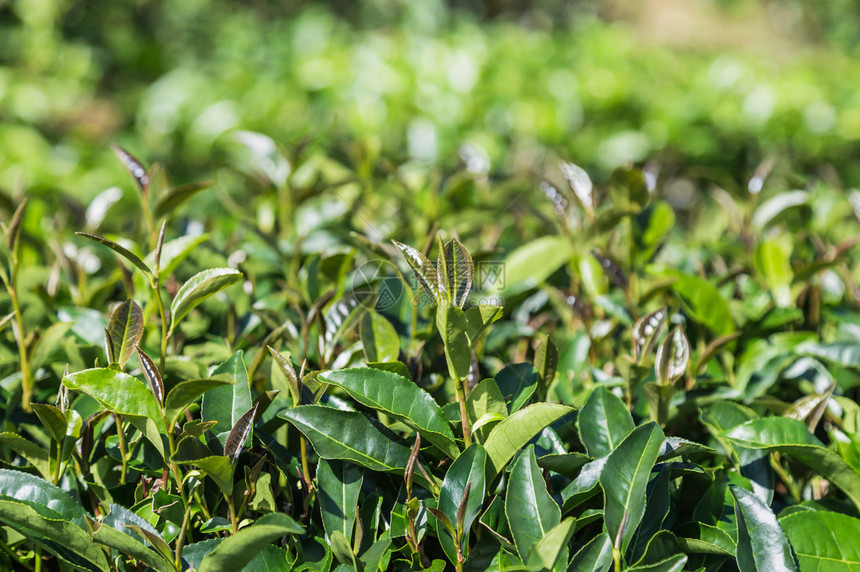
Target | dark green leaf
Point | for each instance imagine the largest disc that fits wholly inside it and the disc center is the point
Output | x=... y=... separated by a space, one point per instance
x=195 y=453
x=596 y=556
x=761 y=542
x=126 y=544
x=185 y=393
x=625 y=480
x=399 y=397
x=517 y=382
x=28 y=489
x=235 y=552
x=125 y=329
x=339 y=487
x=552 y=547
x=530 y=510
x=226 y=404
x=286 y=368
x=468 y=469
x=33 y=453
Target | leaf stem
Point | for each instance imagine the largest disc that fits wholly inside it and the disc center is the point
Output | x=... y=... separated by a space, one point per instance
x=123 y=449
x=180 y=540
x=464 y=416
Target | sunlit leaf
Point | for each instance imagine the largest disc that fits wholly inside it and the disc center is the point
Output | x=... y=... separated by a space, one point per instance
x=125 y=329
x=198 y=288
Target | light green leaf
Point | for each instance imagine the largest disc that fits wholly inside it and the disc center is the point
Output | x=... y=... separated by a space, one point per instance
x=399 y=397
x=126 y=544
x=117 y=392
x=452 y=326
x=823 y=540
x=198 y=288
x=379 y=338
x=532 y=263
x=603 y=422
x=553 y=546
x=339 y=487
x=226 y=404
x=185 y=393
x=704 y=303
x=773 y=264
x=672 y=564
x=510 y=435
x=236 y=551
x=46 y=343
x=762 y=544
x=625 y=480
x=530 y=510
x=33 y=453
x=193 y=452
x=173 y=252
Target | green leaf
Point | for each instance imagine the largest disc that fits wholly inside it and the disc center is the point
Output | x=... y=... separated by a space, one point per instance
x=552 y=547
x=510 y=435
x=452 y=326
x=479 y=318
x=455 y=271
x=468 y=469
x=286 y=369
x=185 y=393
x=773 y=264
x=52 y=419
x=399 y=397
x=129 y=546
x=595 y=556
x=198 y=288
x=193 y=452
x=603 y=422
x=625 y=480
x=823 y=540
x=517 y=382
x=125 y=329
x=33 y=453
x=29 y=489
x=532 y=263
x=69 y=540
x=672 y=357
x=486 y=398
x=379 y=338
x=762 y=544
x=792 y=437
x=704 y=303
x=672 y=564
x=236 y=551
x=349 y=436
x=770 y=209
x=226 y=404
x=122 y=251
x=117 y=392
x=172 y=199
x=530 y=510
x=47 y=342
x=422 y=268
x=546 y=362
x=339 y=487
x=173 y=252
x=342 y=550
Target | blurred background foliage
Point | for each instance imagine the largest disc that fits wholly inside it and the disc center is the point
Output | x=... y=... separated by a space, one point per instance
x=707 y=90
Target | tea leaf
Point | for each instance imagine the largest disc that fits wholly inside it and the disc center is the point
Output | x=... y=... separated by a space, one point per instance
x=152 y=375
x=624 y=480
x=468 y=470
x=52 y=419
x=646 y=332
x=552 y=547
x=174 y=198
x=125 y=329
x=236 y=551
x=33 y=453
x=198 y=288
x=134 y=167
x=225 y=403
x=455 y=270
x=239 y=434
x=185 y=393
x=126 y=544
x=451 y=323
x=761 y=542
x=121 y=250
x=530 y=510
x=580 y=183
x=289 y=374
x=339 y=488
x=173 y=252
x=672 y=357
x=26 y=489
x=422 y=268
x=510 y=435
x=379 y=339
x=822 y=539
x=517 y=382
x=603 y=422
x=596 y=555
x=218 y=467
x=399 y=397
x=117 y=392
x=13 y=229
x=68 y=540
x=532 y=263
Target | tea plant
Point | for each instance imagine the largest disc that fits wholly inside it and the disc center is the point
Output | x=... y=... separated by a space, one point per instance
x=606 y=390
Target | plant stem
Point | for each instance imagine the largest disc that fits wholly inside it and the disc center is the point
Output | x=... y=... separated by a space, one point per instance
x=14 y=556
x=180 y=540
x=464 y=417
x=231 y=506
x=57 y=466
x=37 y=564
x=163 y=315
x=122 y=448
x=306 y=473
x=18 y=328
